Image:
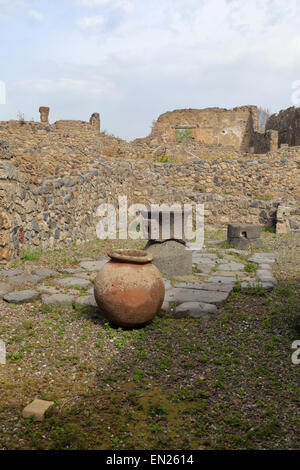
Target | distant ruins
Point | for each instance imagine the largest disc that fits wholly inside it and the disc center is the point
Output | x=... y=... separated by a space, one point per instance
x=236 y=128
x=54 y=176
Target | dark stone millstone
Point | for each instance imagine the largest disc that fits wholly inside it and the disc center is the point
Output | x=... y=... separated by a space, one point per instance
x=171 y=258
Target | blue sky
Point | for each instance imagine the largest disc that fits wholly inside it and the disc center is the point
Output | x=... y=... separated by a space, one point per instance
x=131 y=60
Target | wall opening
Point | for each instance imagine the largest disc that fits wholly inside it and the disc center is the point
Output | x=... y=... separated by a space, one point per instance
x=183 y=135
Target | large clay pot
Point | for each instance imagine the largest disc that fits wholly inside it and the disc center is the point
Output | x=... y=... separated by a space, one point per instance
x=129 y=289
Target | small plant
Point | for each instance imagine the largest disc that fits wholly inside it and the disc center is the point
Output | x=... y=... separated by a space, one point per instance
x=271 y=229
x=30 y=255
x=250 y=267
x=183 y=135
x=237 y=286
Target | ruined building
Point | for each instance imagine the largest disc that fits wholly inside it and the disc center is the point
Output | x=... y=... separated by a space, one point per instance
x=54 y=176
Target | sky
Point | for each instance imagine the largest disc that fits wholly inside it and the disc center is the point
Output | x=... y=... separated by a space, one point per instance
x=132 y=60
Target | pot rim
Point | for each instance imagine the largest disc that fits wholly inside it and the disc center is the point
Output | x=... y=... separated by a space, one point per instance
x=131 y=256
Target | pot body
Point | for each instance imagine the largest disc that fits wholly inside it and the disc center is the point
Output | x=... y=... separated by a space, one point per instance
x=129 y=294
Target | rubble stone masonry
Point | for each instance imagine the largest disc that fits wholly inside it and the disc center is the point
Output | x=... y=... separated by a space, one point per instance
x=53 y=178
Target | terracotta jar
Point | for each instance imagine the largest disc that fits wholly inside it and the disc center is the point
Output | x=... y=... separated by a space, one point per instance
x=129 y=289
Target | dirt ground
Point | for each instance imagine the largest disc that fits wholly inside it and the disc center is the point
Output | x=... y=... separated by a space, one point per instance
x=175 y=384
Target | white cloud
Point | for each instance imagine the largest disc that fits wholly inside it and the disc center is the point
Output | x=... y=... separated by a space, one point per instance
x=96 y=86
x=35 y=15
x=91 y=23
x=125 y=5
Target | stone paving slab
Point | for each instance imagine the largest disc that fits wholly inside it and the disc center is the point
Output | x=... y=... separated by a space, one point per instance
x=194 y=310
x=11 y=272
x=86 y=300
x=93 y=265
x=256 y=260
x=44 y=273
x=72 y=270
x=74 y=281
x=265 y=267
x=181 y=295
x=203 y=260
x=222 y=279
x=23 y=279
x=21 y=297
x=233 y=267
x=205 y=286
x=204 y=268
x=235 y=274
x=236 y=251
x=48 y=289
x=57 y=299
x=5 y=288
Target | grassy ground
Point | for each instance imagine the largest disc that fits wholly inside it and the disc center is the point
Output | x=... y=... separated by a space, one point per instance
x=175 y=384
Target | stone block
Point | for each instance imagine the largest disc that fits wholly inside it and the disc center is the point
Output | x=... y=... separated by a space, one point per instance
x=171 y=258
x=244 y=231
x=21 y=297
x=37 y=409
x=241 y=236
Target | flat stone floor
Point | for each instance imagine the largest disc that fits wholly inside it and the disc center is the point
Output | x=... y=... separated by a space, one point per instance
x=216 y=272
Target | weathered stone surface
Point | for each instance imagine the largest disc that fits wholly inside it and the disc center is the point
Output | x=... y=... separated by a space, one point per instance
x=181 y=295
x=57 y=299
x=238 y=252
x=45 y=273
x=265 y=266
x=265 y=276
x=76 y=270
x=232 y=267
x=254 y=259
x=19 y=281
x=44 y=114
x=171 y=258
x=5 y=288
x=74 y=282
x=21 y=297
x=37 y=409
x=86 y=300
x=165 y=307
x=41 y=181
x=194 y=310
x=11 y=272
x=210 y=125
x=93 y=265
x=203 y=259
x=48 y=289
x=204 y=268
x=2 y=353
x=243 y=230
x=222 y=279
x=208 y=286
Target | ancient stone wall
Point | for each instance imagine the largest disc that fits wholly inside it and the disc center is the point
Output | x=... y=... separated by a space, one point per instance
x=215 y=126
x=52 y=210
x=264 y=142
x=287 y=123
